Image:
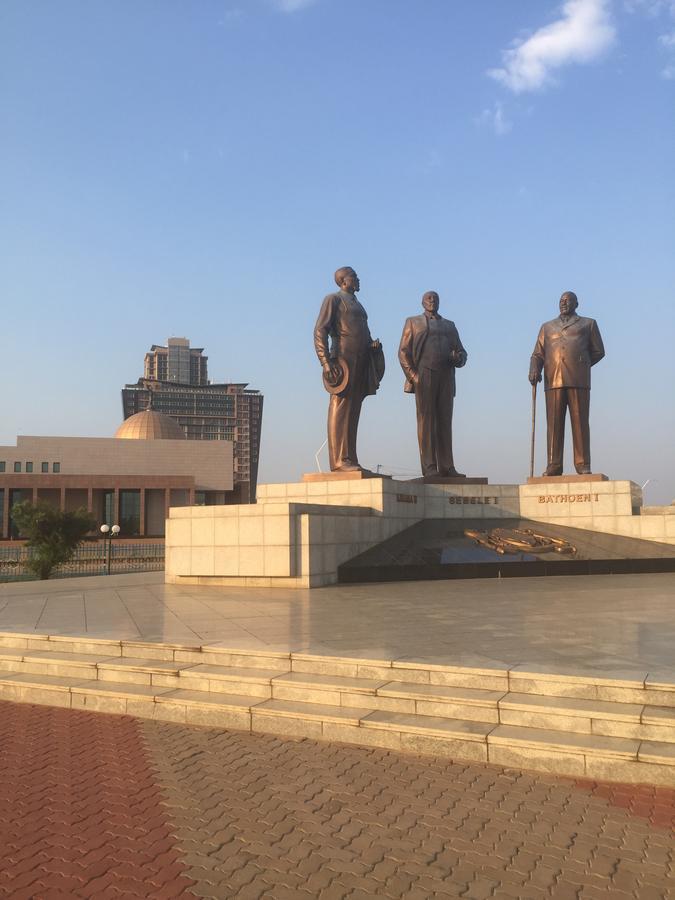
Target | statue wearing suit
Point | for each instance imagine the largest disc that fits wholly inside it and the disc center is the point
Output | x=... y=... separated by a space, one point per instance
x=353 y=366
x=429 y=353
x=566 y=349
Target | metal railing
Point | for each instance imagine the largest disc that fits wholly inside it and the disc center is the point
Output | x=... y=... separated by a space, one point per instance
x=89 y=559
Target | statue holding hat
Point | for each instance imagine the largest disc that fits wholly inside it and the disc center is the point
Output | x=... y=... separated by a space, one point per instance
x=353 y=366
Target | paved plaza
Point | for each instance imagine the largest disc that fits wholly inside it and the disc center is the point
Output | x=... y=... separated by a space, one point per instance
x=97 y=805
x=613 y=623
x=114 y=807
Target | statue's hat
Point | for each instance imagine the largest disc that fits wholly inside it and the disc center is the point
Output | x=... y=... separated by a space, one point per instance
x=338 y=386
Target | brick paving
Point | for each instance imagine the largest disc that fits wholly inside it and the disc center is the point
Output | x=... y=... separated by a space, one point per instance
x=80 y=811
x=257 y=816
x=112 y=807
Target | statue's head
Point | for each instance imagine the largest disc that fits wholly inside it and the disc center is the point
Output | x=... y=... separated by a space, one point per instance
x=568 y=303
x=347 y=279
x=431 y=301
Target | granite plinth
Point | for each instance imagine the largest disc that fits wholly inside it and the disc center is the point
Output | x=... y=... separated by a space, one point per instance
x=358 y=475
x=298 y=534
x=454 y=479
x=566 y=479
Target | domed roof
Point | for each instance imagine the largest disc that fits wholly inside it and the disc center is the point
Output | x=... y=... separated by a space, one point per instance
x=150 y=425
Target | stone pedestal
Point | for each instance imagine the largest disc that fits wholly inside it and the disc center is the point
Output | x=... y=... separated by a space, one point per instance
x=359 y=475
x=566 y=479
x=298 y=534
x=578 y=497
x=440 y=479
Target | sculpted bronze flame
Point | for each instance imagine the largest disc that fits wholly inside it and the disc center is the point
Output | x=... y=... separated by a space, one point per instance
x=519 y=540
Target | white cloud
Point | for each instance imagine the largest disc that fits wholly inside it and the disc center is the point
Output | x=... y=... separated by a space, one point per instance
x=495 y=119
x=291 y=6
x=582 y=33
x=668 y=40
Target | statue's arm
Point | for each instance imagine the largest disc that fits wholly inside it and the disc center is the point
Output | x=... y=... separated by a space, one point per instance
x=405 y=352
x=461 y=355
x=537 y=358
x=597 y=348
x=322 y=329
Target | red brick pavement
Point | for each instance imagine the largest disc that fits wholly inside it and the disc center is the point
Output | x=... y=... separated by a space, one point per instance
x=111 y=807
x=258 y=816
x=657 y=805
x=80 y=813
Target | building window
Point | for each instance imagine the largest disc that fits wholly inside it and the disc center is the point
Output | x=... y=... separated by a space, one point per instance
x=17 y=496
x=45 y=467
x=17 y=466
x=56 y=467
x=109 y=508
x=29 y=467
x=2 y=465
x=130 y=513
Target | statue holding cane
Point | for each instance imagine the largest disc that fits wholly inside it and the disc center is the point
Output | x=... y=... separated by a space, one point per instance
x=566 y=349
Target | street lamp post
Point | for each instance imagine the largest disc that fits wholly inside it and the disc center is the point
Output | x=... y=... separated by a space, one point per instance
x=108 y=534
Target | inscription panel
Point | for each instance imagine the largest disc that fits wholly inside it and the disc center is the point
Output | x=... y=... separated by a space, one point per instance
x=456 y=500
x=568 y=498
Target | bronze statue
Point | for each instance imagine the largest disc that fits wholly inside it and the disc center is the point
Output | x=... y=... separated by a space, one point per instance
x=353 y=366
x=429 y=353
x=566 y=349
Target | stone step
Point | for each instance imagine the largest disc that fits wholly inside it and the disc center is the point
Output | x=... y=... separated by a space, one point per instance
x=403 y=670
x=40 y=689
x=240 y=680
x=449 y=701
x=205 y=708
x=331 y=690
x=217 y=655
x=601 y=717
x=58 y=642
x=653 y=689
x=131 y=670
x=115 y=696
x=393 y=696
x=58 y=663
x=592 y=756
x=589 y=755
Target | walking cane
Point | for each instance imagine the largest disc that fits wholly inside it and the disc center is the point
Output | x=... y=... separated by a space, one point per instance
x=534 y=417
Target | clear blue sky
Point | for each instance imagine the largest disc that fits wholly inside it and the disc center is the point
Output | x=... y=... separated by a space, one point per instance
x=200 y=169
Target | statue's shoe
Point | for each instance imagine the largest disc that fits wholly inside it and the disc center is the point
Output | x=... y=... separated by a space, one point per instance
x=584 y=471
x=348 y=467
x=452 y=473
x=552 y=470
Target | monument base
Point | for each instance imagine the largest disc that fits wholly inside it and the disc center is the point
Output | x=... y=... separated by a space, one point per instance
x=566 y=479
x=298 y=535
x=450 y=479
x=357 y=475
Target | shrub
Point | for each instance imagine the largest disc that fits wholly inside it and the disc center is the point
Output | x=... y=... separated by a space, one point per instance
x=51 y=535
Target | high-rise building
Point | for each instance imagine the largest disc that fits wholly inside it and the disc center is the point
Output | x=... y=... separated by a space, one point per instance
x=177 y=362
x=175 y=383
